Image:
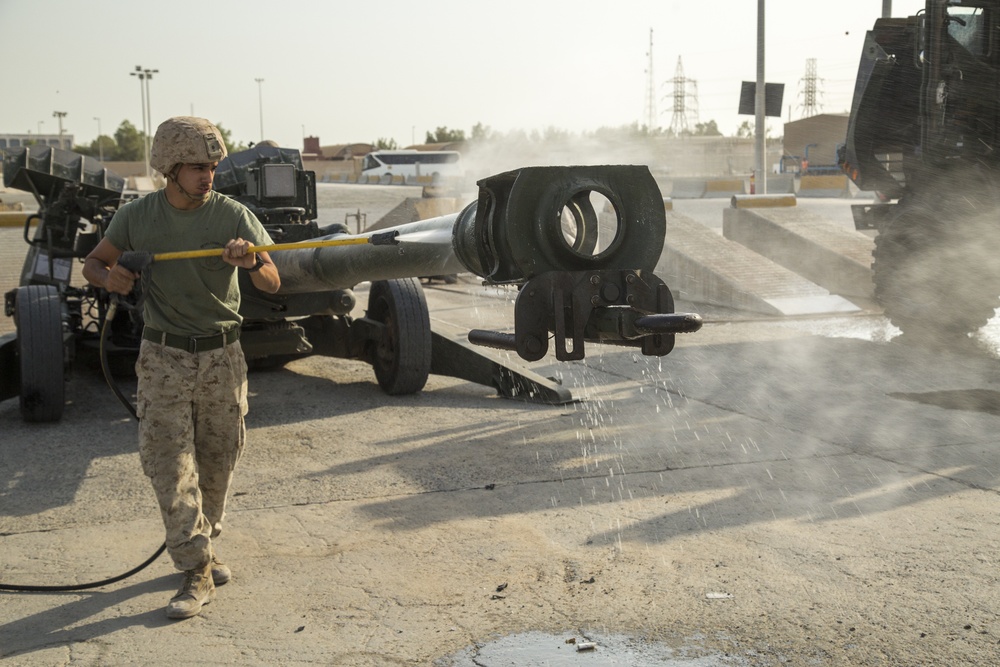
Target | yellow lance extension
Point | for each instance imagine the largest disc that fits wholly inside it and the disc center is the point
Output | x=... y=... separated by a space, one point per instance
x=134 y=260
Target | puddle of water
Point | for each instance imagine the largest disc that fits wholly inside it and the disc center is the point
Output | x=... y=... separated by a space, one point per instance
x=538 y=649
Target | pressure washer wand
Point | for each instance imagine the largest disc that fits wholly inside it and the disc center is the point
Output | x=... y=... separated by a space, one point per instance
x=137 y=260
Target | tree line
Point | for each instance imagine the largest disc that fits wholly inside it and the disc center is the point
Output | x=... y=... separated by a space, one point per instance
x=126 y=144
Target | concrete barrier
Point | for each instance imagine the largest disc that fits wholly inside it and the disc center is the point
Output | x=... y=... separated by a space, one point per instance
x=724 y=187
x=700 y=265
x=823 y=186
x=781 y=184
x=14 y=218
x=687 y=188
x=829 y=255
x=761 y=201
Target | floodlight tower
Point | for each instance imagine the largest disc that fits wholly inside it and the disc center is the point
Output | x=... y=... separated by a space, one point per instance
x=147 y=126
x=59 y=115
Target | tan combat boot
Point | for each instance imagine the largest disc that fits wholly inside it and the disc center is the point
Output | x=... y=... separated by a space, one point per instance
x=221 y=573
x=197 y=591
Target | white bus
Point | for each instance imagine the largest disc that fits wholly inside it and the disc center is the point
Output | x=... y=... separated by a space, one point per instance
x=413 y=164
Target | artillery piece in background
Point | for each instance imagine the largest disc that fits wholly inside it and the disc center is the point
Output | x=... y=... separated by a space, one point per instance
x=583 y=276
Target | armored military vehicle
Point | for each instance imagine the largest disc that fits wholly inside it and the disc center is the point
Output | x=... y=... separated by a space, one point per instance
x=923 y=135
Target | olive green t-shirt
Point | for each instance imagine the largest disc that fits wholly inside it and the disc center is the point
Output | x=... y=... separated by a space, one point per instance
x=189 y=297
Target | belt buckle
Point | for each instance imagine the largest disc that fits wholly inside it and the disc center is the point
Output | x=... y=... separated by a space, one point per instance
x=193 y=342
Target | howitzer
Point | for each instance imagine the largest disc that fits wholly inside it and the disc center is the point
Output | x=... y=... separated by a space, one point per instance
x=584 y=275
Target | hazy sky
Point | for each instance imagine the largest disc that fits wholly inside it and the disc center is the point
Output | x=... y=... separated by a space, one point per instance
x=367 y=69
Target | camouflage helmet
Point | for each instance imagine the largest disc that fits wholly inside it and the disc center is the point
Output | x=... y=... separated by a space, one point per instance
x=185 y=140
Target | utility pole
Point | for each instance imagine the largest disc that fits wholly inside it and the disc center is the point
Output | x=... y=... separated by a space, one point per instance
x=650 y=88
x=760 y=146
x=100 y=144
x=59 y=115
x=260 y=105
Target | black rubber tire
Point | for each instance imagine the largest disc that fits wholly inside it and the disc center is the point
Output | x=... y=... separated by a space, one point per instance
x=932 y=276
x=40 y=347
x=402 y=358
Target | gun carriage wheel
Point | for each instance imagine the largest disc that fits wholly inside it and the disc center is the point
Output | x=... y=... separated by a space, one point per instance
x=402 y=356
x=38 y=316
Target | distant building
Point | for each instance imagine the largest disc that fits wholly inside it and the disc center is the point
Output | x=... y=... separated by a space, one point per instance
x=29 y=139
x=311 y=150
x=345 y=151
x=813 y=142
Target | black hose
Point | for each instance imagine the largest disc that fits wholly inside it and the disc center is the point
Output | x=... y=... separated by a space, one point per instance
x=105 y=367
x=93 y=584
x=124 y=401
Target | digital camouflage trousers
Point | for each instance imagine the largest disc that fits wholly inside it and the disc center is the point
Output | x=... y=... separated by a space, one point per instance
x=191 y=408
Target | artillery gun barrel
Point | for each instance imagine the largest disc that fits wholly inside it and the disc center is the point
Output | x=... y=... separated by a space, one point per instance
x=424 y=248
x=525 y=223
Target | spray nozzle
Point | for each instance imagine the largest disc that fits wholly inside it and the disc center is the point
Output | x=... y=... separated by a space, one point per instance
x=135 y=260
x=384 y=238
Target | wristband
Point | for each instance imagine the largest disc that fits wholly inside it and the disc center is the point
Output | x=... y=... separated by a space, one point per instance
x=256 y=266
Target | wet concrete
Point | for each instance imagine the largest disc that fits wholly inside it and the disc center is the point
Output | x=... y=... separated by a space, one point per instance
x=539 y=649
x=776 y=491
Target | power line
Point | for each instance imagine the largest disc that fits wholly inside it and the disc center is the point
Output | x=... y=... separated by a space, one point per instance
x=810 y=92
x=685 y=101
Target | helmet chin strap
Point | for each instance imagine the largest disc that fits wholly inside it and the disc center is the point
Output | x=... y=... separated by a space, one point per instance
x=190 y=197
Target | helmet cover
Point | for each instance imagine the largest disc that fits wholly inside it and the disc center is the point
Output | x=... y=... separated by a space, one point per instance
x=185 y=140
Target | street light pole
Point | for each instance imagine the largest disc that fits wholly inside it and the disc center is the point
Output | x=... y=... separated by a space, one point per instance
x=59 y=115
x=142 y=97
x=149 y=107
x=260 y=105
x=144 y=76
x=100 y=144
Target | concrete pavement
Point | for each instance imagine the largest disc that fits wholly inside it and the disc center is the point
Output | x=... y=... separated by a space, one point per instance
x=776 y=491
x=761 y=496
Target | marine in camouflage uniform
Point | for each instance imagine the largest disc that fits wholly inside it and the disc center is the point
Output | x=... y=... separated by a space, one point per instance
x=192 y=385
x=191 y=434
